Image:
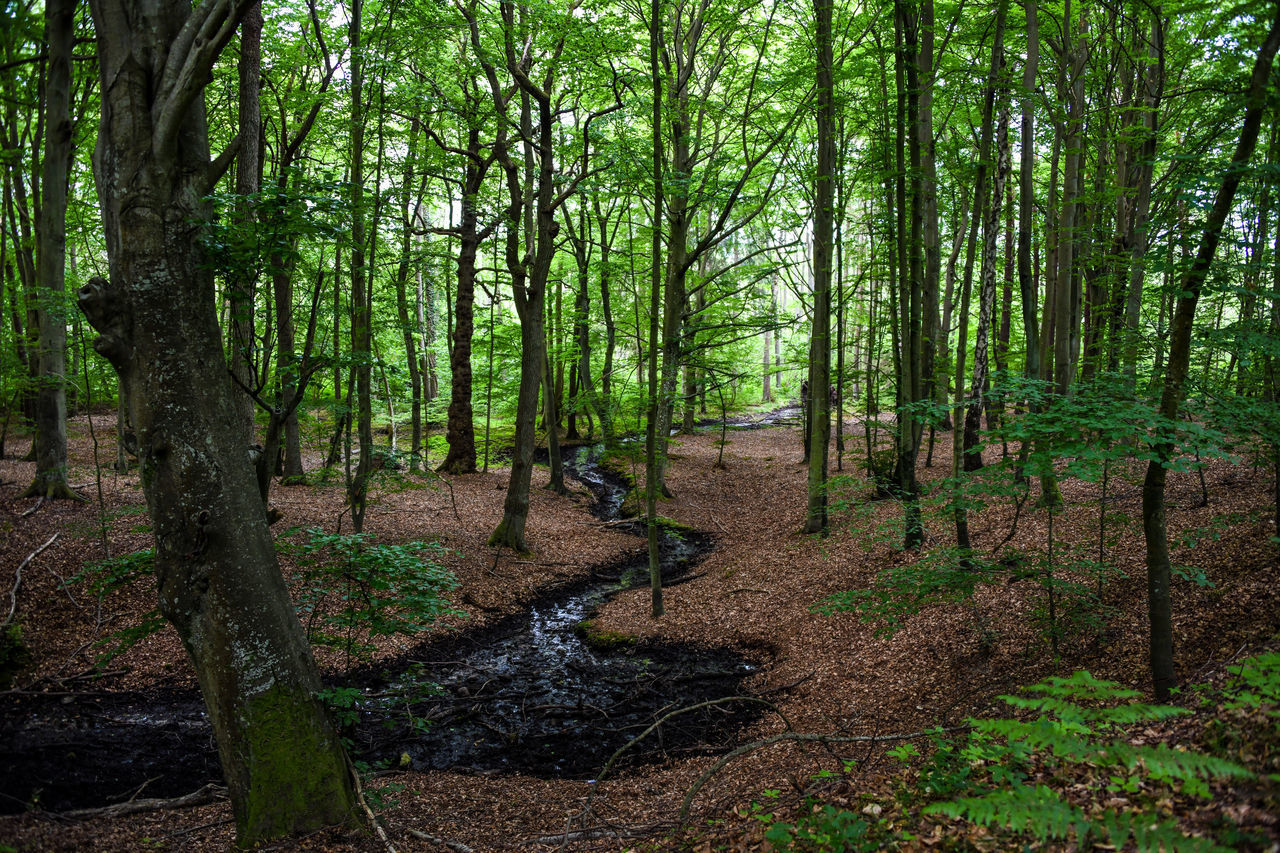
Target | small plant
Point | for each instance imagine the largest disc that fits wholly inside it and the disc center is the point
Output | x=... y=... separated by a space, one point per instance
x=14 y=654
x=826 y=828
x=942 y=576
x=111 y=575
x=115 y=573
x=356 y=590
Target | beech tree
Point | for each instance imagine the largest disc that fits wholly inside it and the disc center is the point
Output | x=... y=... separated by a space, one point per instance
x=218 y=580
x=51 y=397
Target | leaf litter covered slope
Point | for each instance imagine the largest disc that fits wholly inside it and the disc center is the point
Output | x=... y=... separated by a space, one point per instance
x=825 y=674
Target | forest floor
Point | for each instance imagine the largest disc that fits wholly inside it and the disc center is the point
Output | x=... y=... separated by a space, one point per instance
x=753 y=593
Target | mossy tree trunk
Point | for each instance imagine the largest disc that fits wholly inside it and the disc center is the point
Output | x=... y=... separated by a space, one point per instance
x=219 y=582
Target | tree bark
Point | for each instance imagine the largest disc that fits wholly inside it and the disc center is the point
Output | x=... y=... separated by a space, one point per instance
x=460 y=431
x=823 y=232
x=219 y=583
x=51 y=397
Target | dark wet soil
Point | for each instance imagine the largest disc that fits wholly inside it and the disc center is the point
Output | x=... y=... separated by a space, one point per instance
x=538 y=692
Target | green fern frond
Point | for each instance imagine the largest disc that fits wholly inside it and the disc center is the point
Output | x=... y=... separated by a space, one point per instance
x=1037 y=811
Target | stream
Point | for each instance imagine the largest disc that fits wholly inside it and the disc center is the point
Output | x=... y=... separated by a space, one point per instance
x=536 y=692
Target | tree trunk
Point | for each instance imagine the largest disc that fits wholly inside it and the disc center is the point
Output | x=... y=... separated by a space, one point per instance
x=460 y=432
x=408 y=331
x=652 y=449
x=823 y=228
x=218 y=579
x=1159 y=603
x=987 y=292
x=242 y=287
x=51 y=399
x=361 y=278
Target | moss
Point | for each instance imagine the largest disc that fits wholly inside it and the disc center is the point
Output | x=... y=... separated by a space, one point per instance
x=298 y=777
x=602 y=640
x=678 y=528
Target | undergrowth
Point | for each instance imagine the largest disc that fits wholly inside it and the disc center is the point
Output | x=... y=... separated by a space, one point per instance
x=1081 y=762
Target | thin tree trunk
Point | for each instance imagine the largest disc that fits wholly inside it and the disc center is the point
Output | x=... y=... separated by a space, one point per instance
x=823 y=257
x=1153 y=487
x=51 y=399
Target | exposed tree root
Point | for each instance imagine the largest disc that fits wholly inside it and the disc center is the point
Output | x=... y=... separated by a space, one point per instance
x=48 y=488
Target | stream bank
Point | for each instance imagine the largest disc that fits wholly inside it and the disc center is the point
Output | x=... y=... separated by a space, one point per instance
x=539 y=692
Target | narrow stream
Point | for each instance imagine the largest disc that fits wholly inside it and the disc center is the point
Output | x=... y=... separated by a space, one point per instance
x=527 y=694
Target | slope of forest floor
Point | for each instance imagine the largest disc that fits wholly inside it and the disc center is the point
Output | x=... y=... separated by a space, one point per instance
x=827 y=675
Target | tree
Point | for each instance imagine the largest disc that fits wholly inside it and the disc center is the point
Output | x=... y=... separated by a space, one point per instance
x=219 y=582
x=823 y=256
x=51 y=400
x=1159 y=571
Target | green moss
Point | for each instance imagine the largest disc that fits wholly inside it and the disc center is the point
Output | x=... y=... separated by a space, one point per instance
x=297 y=775
x=600 y=639
x=670 y=525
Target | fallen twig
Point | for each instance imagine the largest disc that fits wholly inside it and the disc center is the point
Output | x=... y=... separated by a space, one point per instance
x=601 y=832
x=34 y=509
x=17 y=580
x=781 y=687
x=203 y=796
x=443 y=842
x=613 y=759
x=368 y=812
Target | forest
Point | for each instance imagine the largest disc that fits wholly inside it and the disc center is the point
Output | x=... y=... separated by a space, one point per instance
x=657 y=424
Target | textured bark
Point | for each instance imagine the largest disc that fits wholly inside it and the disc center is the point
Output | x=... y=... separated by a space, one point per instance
x=986 y=297
x=219 y=583
x=51 y=398
x=460 y=430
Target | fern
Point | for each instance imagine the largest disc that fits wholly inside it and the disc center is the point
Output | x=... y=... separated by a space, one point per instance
x=1035 y=810
x=1153 y=834
x=1081 y=722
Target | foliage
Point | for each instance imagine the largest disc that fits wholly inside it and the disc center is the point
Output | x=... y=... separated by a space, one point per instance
x=355 y=590
x=941 y=576
x=1080 y=726
x=112 y=575
x=115 y=573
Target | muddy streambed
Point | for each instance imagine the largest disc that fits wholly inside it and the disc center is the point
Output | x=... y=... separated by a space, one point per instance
x=539 y=692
